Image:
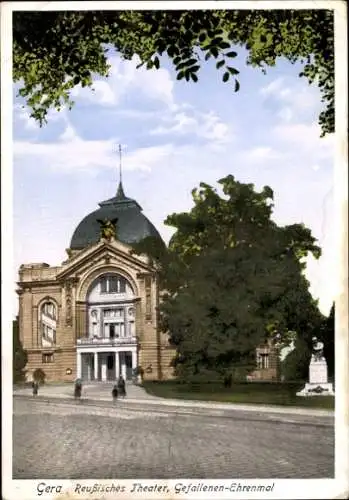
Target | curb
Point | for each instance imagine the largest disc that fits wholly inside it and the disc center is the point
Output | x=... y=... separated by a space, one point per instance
x=196 y=405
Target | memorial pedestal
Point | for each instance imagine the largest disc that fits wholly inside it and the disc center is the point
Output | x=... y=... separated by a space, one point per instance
x=318 y=384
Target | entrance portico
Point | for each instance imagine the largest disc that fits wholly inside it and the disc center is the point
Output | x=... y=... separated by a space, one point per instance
x=106 y=363
x=108 y=346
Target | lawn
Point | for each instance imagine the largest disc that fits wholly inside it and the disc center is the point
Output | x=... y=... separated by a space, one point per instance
x=253 y=393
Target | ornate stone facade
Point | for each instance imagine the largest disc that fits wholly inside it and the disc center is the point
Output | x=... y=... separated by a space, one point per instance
x=94 y=317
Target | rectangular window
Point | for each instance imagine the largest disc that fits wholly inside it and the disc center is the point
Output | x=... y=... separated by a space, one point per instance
x=263 y=361
x=113 y=313
x=118 y=330
x=113 y=284
x=122 y=286
x=112 y=330
x=104 y=285
x=47 y=358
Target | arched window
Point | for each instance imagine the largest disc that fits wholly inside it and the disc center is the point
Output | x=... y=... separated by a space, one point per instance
x=112 y=284
x=110 y=314
x=48 y=323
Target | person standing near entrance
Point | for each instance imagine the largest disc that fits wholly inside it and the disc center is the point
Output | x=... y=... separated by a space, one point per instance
x=35 y=387
x=122 y=386
x=77 y=388
x=114 y=392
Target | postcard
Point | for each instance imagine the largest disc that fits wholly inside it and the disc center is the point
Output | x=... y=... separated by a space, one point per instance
x=174 y=237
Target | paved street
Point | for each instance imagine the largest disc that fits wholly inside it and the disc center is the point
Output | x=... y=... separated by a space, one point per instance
x=72 y=440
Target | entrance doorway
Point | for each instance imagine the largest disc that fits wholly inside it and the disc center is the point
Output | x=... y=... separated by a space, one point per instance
x=111 y=366
x=128 y=362
x=87 y=366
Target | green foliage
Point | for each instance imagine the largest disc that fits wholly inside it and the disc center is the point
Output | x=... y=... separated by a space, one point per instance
x=55 y=51
x=327 y=336
x=20 y=357
x=151 y=246
x=296 y=364
x=252 y=393
x=232 y=280
x=39 y=376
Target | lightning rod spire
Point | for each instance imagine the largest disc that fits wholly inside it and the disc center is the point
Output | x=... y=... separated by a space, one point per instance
x=120 y=192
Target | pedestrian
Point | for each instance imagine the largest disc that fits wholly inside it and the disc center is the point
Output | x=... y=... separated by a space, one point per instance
x=122 y=386
x=35 y=387
x=77 y=389
x=114 y=392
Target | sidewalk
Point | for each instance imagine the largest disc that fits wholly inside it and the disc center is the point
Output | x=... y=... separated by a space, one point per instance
x=137 y=395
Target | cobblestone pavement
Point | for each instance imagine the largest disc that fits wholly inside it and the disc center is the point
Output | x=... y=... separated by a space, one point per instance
x=61 y=440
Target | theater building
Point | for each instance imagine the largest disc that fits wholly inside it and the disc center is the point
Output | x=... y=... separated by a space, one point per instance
x=95 y=316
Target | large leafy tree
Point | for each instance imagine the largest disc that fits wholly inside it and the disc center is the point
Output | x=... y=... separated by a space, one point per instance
x=233 y=279
x=55 y=51
x=327 y=336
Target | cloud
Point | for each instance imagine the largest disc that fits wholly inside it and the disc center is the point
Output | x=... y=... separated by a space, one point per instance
x=103 y=93
x=138 y=114
x=286 y=114
x=260 y=154
x=68 y=135
x=125 y=78
x=293 y=96
x=182 y=123
x=148 y=159
x=306 y=137
x=319 y=272
x=72 y=153
x=207 y=126
x=69 y=153
x=272 y=88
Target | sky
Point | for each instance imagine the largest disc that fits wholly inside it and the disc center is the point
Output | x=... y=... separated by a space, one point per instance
x=174 y=134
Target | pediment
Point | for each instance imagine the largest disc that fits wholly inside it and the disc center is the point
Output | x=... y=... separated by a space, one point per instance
x=106 y=253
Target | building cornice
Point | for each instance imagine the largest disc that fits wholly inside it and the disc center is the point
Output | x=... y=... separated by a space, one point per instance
x=36 y=284
x=106 y=251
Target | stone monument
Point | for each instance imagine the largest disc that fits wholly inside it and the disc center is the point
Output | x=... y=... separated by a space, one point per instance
x=318 y=384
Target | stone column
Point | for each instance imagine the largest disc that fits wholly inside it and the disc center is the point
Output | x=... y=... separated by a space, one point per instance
x=96 y=365
x=78 y=365
x=138 y=330
x=123 y=365
x=88 y=367
x=117 y=365
x=134 y=359
x=104 y=368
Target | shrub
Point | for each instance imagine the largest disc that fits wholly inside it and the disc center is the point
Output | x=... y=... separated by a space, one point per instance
x=138 y=371
x=19 y=356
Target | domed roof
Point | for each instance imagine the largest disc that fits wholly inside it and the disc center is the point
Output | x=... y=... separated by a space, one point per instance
x=132 y=225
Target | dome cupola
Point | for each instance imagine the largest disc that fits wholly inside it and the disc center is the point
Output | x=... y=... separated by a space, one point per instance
x=132 y=226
